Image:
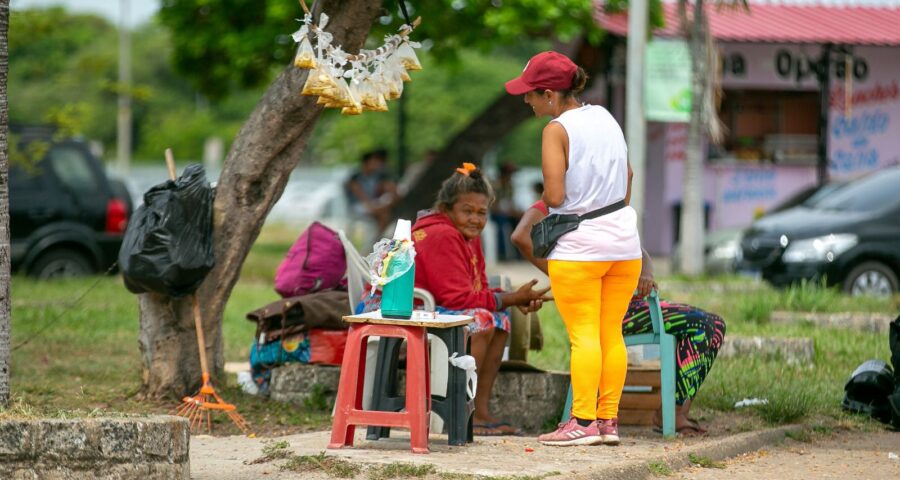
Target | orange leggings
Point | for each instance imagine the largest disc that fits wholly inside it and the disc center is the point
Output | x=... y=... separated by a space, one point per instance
x=592 y=298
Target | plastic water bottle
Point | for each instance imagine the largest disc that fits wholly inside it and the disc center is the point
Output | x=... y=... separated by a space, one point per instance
x=245 y=380
x=397 y=295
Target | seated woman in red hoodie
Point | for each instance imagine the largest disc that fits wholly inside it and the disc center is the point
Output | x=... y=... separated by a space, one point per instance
x=450 y=265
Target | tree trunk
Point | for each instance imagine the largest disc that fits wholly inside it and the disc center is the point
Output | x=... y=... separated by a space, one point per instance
x=256 y=170
x=493 y=124
x=4 y=207
x=692 y=210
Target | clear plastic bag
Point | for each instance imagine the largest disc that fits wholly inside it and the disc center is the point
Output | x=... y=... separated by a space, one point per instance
x=320 y=82
x=349 y=100
x=306 y=57
x=371 y=97
x=407 y=57
x=389 y=260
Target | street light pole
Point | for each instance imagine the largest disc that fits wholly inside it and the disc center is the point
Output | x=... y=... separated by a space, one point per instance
x=123 y=133
x=635 y=122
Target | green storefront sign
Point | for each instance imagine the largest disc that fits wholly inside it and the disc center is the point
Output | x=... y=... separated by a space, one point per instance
x=667 y=84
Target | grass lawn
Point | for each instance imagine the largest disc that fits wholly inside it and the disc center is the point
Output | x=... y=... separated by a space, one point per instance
x=85 y=359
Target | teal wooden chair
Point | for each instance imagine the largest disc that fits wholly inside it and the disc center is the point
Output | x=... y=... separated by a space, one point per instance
x=666 y=344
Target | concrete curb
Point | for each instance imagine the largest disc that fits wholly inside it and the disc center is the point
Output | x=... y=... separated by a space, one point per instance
x=714 y=449
x=141 y=448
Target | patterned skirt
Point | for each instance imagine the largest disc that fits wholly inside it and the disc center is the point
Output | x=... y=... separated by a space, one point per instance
x=698 y=336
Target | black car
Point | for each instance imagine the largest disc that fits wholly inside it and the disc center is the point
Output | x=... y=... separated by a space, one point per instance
x=851 y=238
x=67 y=218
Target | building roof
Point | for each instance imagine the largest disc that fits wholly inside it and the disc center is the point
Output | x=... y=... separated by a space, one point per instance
x=779 y=23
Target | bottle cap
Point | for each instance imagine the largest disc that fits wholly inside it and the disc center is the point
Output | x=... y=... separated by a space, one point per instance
x=403 y=231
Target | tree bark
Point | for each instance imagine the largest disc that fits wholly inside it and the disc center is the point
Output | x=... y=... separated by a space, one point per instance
x=500 y=118
x=4 y=207
x=692 y=210
x=254 y=176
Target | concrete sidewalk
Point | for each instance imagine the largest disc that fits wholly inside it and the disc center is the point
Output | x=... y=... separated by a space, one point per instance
x=225 y=458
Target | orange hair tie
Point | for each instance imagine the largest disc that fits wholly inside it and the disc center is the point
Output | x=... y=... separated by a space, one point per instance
x=467 y=168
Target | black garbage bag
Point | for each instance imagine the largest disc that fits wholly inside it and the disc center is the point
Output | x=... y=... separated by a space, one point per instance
x=868 y=389
x=168 y=246
x=894 y=400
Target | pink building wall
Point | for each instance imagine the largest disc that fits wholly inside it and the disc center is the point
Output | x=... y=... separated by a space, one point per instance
x=862 y=138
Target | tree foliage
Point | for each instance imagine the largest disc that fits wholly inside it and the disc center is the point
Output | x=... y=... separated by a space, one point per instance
x=224 y=44
x=65 y=74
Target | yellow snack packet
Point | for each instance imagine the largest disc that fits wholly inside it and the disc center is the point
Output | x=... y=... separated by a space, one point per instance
x=306 y=57
x=320 y=82
x=407 y=57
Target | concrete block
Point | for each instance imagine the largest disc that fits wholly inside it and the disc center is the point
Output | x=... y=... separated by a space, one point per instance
x=17 y=440
x=64 y=439
x=118 y=439
x=529 y=400
x=861 y=321
x=294 y=383
x=794 y=351
x=140 y=448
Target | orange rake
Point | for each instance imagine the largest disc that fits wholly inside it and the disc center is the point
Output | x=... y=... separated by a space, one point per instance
x=198 y=408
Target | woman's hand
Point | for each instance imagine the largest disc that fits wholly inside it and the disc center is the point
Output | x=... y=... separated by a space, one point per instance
x=646 y=284
x=534 y=306
x=527 y=297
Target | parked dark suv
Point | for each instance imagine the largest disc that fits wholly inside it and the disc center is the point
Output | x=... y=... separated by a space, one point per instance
x=66 y=217
x=851 y=237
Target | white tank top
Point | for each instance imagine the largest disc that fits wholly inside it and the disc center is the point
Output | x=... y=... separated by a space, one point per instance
x=597 y=176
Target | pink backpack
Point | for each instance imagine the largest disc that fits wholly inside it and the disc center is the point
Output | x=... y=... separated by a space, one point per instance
x=315 y=262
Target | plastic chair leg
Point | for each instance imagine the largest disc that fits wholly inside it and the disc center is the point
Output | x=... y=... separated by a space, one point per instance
x=384 y=383
x=350 y=388
x=418 y=394
x=567 y=408
x=455 y=408
x=667 y=389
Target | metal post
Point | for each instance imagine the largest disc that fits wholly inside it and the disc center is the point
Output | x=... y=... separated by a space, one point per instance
x=635 y=123
x=401 y=133
x=123 y=125
x=824 y=109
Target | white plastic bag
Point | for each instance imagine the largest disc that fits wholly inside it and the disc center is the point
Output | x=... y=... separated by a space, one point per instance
x=467 y=363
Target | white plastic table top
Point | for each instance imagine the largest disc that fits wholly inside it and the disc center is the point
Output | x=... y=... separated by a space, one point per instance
x=442 y=321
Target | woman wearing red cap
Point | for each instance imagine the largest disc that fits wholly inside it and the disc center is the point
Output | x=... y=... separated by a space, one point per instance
x=595 y=268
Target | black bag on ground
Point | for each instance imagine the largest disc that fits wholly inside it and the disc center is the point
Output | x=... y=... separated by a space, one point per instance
x=894 y=399
x=868 y=389
x=548 y=231
x=168 y=246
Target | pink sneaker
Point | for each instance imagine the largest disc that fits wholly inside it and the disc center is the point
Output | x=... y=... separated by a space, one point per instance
x=570 y=434
x=608 y=431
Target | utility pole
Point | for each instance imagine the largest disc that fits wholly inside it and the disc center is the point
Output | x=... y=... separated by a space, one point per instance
x=401 y=135
x=635 y=121
x=123 y=125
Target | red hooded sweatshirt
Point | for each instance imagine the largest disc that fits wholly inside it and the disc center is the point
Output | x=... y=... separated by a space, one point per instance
x=450 y=267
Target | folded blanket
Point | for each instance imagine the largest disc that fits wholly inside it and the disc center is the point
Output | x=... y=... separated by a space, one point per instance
x=294 y=315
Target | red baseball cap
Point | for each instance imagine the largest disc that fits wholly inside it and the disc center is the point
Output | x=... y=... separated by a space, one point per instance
x=546 y=70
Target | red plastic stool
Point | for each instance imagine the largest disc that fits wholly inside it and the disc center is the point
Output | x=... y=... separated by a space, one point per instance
x=349 y=413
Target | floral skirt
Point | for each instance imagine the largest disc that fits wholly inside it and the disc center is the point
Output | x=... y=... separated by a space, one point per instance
x=484 y=319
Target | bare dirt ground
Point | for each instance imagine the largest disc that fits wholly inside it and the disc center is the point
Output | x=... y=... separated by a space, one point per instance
x=844 y=455
x=847 y=456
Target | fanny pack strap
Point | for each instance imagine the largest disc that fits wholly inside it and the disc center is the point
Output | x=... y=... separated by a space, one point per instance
x=602 y=211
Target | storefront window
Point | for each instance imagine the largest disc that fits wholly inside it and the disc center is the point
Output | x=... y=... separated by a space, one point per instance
x=769 y=126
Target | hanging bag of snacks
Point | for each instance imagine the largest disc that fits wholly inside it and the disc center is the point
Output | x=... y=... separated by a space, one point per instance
x=354 y=83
